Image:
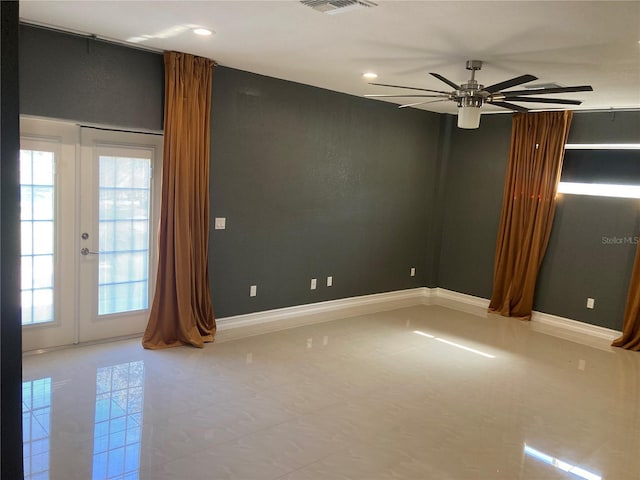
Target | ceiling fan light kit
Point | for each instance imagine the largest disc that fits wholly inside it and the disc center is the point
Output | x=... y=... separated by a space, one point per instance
x=471 y=96
x=468 y=117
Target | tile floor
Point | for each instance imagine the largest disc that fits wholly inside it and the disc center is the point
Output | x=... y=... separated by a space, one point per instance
x=358 y=398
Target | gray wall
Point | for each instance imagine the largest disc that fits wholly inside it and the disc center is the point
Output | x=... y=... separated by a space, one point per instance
x=69 y=77
x=472 y=202
x=10 y=329
x=578 y=263
x=315 y=183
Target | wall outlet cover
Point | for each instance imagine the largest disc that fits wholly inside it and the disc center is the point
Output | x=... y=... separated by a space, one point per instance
x=220 y=223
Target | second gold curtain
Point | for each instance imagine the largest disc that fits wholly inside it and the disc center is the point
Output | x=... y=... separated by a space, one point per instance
x=533 y=173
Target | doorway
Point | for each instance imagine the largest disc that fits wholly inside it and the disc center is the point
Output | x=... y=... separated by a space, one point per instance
x=89 y=216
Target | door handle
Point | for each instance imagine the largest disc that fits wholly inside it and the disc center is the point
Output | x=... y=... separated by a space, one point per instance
x=85 y=251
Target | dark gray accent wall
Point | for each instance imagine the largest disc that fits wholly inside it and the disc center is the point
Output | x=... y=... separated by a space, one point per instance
x=473 y=201
x=315 y=183
x=605 y=127
x=75 y=78
x=10 y=328
x=590 y=254
x=591 y=249
x=437 y=218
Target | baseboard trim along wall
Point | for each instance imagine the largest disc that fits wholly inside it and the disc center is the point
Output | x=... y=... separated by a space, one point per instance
x=282 y=318
x=237 y=326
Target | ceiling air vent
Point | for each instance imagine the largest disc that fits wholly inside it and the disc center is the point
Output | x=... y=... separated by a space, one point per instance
x=333 y=7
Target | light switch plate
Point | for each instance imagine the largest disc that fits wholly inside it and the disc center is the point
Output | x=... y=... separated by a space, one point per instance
x=220 y=223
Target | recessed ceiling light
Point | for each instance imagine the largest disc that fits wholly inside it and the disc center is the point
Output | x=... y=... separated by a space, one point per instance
x=370 y=75
x=202 y=31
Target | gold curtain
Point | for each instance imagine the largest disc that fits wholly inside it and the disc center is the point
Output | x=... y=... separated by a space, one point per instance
x=182 y=313
x=533 y=173
x=630 y=338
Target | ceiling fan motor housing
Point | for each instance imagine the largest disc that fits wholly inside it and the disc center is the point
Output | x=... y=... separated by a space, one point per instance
x=470 y=101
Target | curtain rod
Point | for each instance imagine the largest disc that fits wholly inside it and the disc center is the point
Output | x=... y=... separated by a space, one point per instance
x=91 y=36
x=117 y=129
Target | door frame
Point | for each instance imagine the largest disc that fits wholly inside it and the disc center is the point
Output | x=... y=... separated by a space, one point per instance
x=66 y=328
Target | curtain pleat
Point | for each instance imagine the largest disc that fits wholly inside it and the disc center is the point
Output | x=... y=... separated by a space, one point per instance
x=533 y=173
x=630 y=339
x=182 y=312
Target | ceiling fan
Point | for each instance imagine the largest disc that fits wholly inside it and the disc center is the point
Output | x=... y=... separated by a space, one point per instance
x=471 y=96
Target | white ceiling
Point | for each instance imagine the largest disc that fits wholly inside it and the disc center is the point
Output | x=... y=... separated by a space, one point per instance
x=569 y=43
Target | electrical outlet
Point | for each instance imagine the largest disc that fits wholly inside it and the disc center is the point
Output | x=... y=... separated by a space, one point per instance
x=220 y=223
x=314 y=283
x=253 y=291
x=413 y=271
x=329 y=281
x=591 y=303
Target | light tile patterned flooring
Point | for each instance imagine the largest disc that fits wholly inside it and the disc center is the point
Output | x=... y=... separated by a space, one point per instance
x=358 y=398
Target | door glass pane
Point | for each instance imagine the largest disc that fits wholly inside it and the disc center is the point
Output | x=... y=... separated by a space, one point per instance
x=37 y=230
x=123 y=277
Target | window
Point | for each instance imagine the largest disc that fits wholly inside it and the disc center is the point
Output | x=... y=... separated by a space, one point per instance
x=125 y=193
x=37 y=206
x=602 y=170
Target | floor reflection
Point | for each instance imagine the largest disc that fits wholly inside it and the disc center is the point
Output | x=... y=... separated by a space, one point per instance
x=118 y=421
x=36 y=425
x=560 y=464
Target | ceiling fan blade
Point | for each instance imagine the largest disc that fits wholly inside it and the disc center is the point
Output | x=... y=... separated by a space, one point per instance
x=496 y=87
x=445 y=80
x=509 y=106
x=417 y=95
x=545 y=100
x=422 y=103
x=535 y=91
x=410 y=88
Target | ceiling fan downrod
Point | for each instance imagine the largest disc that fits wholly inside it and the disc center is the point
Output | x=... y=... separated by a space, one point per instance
x=468 y=92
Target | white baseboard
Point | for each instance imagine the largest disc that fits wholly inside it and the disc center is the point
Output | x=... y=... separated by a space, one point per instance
x=281 y=318
x=575 y=326
x=479 y=305
x=461 y=302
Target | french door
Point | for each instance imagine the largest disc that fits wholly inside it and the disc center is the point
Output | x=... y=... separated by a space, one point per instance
x=89 y=215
